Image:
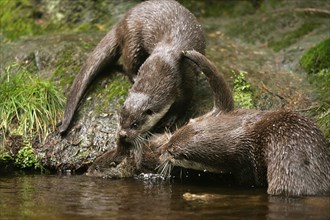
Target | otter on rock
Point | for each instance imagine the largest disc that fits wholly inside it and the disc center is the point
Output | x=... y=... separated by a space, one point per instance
x=149 y=40
x=280 y=149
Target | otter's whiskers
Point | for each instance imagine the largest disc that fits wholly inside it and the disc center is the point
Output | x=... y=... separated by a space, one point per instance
x=165 y=169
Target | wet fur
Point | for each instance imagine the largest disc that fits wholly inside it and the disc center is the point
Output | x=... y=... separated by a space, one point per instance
x=278 y=149
x=149 y=40
x=121 y=162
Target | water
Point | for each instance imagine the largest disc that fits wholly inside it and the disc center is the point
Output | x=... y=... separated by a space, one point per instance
x=80 y=197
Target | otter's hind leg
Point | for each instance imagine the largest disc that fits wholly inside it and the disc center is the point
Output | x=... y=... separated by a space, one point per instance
x=298 y=163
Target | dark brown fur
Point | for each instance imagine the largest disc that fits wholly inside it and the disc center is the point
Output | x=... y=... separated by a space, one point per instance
x=280 y=149
x=149 y=40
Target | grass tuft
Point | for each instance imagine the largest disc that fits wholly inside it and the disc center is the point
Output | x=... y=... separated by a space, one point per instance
x=29 y=105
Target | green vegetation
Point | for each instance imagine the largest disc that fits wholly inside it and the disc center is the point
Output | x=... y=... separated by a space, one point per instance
x=6 y=160
x=289 y=38
x=28 y=104
x=115 y=92
x=26 y=159
x=29 y=108
x=243 y=92
x=316 y=62
x=18 y=19
x=26 y=18
x=5 y=156
x=276 y=28
x=67 y=66
x=216 y=8
x=33 y=18
x=118 y=88
x=317 y=58
x=323 y=121
x=321 y=83
x=261 y=28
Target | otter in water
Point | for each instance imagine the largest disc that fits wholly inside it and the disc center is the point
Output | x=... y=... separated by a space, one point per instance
x=280 y=149
x=149 y=41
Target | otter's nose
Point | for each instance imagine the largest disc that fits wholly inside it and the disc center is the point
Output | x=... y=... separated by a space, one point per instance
x=122 y=136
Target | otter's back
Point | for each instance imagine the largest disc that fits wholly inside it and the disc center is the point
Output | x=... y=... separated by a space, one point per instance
x=298 y=162
x=168 y=22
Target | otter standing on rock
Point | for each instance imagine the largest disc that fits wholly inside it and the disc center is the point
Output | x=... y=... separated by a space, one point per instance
x=280 y=149
x=149 y=40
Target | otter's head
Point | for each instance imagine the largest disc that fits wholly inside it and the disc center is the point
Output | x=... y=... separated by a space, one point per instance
x=189 y=147
x=175 y=151
x=155 y=90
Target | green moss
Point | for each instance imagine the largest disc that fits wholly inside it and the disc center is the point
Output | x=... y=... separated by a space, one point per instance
x=259 y=28
x=115 y=92
x=321 y=84
x=66 y=69
x=243 y=92
x=118 y=89
x=317 y=58
x=215 y=8
x=26 y=159
x=293 y=36
x=7 y=162
x=68 y=64
x=17 y=19
x=317 y=63
x=323 y=121
x=5 y=156
x=31 y=18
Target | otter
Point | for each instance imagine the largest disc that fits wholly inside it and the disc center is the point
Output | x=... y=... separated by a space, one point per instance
x=121 y=162
x=279 y=149
x=149 y=40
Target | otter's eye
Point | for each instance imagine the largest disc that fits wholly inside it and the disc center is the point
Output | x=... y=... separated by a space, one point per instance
x=134 y=125
x=149 y=112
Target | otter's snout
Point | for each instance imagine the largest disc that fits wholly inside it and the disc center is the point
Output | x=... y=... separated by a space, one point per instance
x=123 y=137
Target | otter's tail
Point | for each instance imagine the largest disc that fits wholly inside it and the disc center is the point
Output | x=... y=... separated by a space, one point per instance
x=105 y=53
x=223 y=99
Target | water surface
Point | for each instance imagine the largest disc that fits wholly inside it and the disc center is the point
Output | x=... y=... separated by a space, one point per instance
x=81 y=197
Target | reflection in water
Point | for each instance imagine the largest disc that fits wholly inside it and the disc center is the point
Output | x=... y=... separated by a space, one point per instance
x=81 y=197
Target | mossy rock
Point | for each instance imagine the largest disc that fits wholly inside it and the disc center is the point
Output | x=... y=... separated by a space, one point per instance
x=291 y=37
x=317 y=58
x=18 y=18
x=26 y=18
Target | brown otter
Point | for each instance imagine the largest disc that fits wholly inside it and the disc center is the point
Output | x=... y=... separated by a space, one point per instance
x=121 y=162
x=149 y=40
x=280 y=149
